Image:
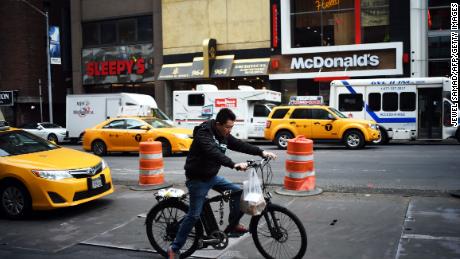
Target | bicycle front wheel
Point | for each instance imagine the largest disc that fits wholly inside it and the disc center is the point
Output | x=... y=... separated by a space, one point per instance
x=278 y=233
x=162 y=223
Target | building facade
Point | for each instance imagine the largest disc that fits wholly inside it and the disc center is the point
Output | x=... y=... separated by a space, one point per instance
x=317 y=41
x=155 y=47
x=23 y=70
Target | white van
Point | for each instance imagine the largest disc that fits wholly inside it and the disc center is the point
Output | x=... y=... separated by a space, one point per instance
x=404 y=108
x=251 y=107
x=87 y=110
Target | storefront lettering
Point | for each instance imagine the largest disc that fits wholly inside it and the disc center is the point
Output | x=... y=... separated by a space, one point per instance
x=326 y=4
x=115 y=67
x=320 y=62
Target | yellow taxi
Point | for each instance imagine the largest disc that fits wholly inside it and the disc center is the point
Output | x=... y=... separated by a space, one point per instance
x=318 y=122
x=124 y=134
x=37 y=174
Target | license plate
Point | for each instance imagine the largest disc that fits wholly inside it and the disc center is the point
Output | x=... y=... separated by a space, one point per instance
x=96 y=183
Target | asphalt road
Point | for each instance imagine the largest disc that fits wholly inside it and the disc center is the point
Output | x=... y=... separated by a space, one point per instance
x=404 y=167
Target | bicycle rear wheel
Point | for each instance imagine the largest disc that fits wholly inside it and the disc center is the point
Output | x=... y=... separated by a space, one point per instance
x=278 y=233
x=162 y=223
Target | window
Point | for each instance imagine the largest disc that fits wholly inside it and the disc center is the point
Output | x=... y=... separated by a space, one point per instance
x=438 y=38
x=108 y=33
x=319 y=114
x=300 y=113
x=127 y=30
x=91 y=34
x=439 y=47
x=116 y=124
x=322 y=23
x=195 y=99
x=134 y=124
x=145 y=28
x=350 y=102
x=390 y=102
x=374 y=101
x=118 y=31
x=407 y=102
x=279 y=113
x=375 y=21
x=261 y=110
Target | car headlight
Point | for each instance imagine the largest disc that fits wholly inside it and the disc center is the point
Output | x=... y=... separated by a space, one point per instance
x=104 y=164
x=373 y=126
x=181 y=136
x=52 y=174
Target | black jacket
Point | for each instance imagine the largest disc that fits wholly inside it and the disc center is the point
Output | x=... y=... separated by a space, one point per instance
x=207 y=152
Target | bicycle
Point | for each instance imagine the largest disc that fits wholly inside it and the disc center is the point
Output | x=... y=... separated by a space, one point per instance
x=271 y=230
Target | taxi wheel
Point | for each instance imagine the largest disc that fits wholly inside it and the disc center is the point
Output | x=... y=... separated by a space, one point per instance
x=166 y=147
x=281 y=139
x=354 y=139
x=383 y=140
x=99 y=148
x=15 y=200
x=52 y=137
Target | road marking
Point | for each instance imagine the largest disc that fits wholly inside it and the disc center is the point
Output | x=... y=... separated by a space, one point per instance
x=428 y=237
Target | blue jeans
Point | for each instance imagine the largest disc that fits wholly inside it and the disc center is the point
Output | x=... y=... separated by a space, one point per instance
x=197 y=192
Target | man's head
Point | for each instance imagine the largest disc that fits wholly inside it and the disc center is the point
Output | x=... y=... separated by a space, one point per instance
x=224 y=121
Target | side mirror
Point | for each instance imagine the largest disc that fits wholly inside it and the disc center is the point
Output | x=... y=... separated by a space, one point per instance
x=40 y=127
x=145 y=127
x=331 y=117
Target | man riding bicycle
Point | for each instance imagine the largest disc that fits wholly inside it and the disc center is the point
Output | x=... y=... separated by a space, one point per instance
x=207 y=154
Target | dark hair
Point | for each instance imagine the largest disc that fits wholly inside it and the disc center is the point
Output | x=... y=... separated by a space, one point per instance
x=224 y=115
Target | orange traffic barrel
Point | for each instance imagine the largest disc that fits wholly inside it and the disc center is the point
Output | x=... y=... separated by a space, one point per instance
x=300 y=176
x=151 y=166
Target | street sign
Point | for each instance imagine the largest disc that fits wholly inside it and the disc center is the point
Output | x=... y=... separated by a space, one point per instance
x=6 y=98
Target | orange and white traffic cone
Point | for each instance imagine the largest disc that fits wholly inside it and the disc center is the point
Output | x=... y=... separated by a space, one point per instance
x=300 y=177
x=151 y=167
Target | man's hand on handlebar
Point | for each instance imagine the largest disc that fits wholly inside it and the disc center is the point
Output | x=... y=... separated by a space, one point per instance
x=241 y=166
x=267 y=154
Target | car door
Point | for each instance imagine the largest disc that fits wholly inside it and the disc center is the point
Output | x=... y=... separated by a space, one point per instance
x=324 y=124
x=113 y=134
x=301 y=122
x=257 y=121
x=134 y=133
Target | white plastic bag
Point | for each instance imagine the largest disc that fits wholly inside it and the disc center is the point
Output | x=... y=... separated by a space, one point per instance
x=252 y=201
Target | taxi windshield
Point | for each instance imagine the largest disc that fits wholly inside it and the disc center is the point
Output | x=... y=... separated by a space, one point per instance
x=336 y=112
x=20 y=142
x=156 y=123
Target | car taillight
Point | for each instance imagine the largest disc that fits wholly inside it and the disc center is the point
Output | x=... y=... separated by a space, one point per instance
x=268 y=124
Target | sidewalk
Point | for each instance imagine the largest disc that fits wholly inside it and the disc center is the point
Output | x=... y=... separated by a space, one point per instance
x=343 y=226
x=339 y=225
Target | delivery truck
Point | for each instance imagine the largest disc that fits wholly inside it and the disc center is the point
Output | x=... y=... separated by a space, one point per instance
x=251 y=107
x=87 y=110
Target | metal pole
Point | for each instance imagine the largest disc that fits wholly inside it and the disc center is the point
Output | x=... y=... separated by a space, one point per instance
x=50 y=93
x=41 y=99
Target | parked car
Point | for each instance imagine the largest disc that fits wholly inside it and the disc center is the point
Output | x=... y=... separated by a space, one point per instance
x=125 y=133
x=318 y=122
x=47 y=130
x=36 y=174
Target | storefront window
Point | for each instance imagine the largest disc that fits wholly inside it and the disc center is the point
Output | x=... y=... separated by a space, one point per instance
x=127 y=30
x=438 y=38
x=322 y=22
x=375 y=21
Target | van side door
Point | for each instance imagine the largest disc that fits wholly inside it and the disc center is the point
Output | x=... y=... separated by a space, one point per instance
x=258 y=114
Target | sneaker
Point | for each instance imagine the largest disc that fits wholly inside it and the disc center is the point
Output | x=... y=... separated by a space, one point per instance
x=172 y=254
x=238 y=230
